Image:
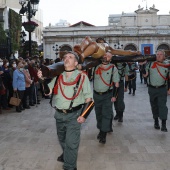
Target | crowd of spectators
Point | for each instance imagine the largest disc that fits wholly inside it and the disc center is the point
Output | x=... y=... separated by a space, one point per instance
x=18 y=77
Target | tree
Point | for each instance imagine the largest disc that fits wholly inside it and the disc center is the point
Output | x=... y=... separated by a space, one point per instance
x=15 y=24
x=2 y=34
x=25 y=49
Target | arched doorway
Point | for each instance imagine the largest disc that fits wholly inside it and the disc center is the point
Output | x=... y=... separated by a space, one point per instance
x=163 y=47
x=130 y=47
x=166 y=48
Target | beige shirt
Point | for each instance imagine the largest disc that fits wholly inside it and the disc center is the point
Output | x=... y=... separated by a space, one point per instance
x=154 y=77
x=101 y=85
x=61 y=101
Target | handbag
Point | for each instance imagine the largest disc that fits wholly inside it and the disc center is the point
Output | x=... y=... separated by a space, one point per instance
x=15 y=101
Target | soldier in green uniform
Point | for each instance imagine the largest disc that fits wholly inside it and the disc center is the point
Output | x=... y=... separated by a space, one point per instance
x=105 y=76
x=119 y=104
x=132 y=77
x=71 y=90
x=157 y=79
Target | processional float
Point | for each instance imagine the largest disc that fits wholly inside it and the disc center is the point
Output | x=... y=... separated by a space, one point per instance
x=90 y=54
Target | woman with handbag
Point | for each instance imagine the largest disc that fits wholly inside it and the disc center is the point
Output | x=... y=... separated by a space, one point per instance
x=19 y=84
x=7 y=80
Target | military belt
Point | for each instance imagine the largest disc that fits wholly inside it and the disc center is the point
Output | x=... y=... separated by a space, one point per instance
x=101 y=93
x=73 y=109
x=157 y=87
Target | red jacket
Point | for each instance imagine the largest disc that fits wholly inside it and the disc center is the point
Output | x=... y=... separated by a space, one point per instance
x=33 y=73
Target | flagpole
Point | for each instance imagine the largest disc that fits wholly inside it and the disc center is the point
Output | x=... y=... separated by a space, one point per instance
x=146 y=3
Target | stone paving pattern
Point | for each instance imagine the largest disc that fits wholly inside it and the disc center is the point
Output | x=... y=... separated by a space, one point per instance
x=28 y=139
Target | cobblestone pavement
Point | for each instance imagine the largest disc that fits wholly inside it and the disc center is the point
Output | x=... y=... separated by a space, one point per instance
x=28 y=139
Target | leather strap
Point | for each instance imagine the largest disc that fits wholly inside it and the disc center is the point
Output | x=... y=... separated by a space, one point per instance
x=75 y=91
x=51 y=99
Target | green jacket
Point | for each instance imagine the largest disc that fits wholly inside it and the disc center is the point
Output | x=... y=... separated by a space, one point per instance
x=63 y=97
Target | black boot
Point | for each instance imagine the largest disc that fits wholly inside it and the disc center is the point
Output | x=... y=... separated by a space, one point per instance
x=103 y=137
x=22 y=108
x=156 y=124
x=129 y=91
x=120 y=116
x=26 y=107
x=163 y=128
x=18 y=109
x=117 y=116
x=60 y=158
x=133 y=93
x=111 y=129
x=99 y=135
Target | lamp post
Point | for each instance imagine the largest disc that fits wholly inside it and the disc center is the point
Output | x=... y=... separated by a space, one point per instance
x=22 y=37
x=118 y=45
x=29 y=7
x=8 y=42
x=55 y=48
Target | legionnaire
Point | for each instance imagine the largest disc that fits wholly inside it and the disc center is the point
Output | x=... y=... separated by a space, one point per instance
x=71 y=90
x=142 y=66
x=105 y=76
x=158 y=77
x=119 y=104
x=132 y=77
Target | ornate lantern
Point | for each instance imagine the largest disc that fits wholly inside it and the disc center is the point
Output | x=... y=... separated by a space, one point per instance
x=34 y=1
x=30 y=26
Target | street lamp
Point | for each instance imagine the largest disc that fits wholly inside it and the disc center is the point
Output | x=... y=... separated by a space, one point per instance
x=22 y=37
x=9 y=46
x=55 y=48
x=30 y=7
x=118 y=45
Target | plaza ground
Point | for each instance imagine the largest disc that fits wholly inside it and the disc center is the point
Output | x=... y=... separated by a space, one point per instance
x=28 y=139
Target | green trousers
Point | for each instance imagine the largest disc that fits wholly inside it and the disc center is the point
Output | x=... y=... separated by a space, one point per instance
x=158 y=99
x=104 y=111
x=119 y=103
x=68 y=131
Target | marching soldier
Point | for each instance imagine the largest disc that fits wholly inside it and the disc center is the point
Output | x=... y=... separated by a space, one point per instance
x=105 y=76
x=71 y=91
x=119 y=104
x=132 y=77
x=158 y=78
x=141 y=70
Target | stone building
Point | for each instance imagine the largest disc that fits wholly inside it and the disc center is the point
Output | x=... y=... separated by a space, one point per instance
x=143 y=30
x=14 y=4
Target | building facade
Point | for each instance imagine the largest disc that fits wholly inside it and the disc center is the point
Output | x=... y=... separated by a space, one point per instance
x=143 y=30
x=14 y=4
